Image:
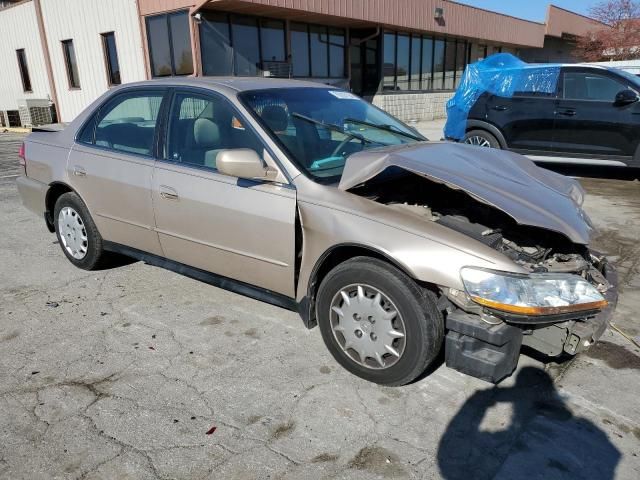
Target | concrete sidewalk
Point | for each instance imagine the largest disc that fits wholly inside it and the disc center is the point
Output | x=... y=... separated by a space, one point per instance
x=433 y=130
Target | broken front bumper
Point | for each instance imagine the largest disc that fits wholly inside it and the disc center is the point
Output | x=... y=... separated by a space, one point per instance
x=488 y=348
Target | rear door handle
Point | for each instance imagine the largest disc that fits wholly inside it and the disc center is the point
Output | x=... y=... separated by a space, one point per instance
x=567 y=113
x=78 y=171
x=168 y=193
x=500 y=108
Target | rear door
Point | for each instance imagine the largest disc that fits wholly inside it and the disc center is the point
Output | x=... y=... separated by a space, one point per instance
x=111 y=165
x=525 y=120
x=588 y=124
x=236 y=228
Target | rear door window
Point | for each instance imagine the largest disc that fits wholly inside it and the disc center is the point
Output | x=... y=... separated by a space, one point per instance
x=590 y=86
x=128 y=123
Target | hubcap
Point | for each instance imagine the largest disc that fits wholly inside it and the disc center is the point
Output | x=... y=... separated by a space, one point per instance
x=478 y=141
x=73 y=233
x=367 y=326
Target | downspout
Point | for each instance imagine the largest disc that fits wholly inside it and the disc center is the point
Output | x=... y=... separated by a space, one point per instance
x=145 y=44
x=47 y=58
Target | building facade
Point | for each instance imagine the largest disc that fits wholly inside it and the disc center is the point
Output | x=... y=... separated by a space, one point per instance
x=406 y=56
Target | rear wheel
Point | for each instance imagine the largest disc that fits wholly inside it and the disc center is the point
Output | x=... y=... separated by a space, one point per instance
x=77 y=233
x=481 y=138
x=377 y=322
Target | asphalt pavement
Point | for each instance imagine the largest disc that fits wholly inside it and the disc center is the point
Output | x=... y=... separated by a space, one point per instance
x=137 y=372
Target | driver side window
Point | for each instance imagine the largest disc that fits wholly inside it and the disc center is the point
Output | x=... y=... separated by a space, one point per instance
x=590 y=86
x=201 y=126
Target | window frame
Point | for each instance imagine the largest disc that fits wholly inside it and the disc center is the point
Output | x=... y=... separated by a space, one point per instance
x=93 y=120
x=73 y=83
x=107 y=58
x=23 y=67
x=170 y=39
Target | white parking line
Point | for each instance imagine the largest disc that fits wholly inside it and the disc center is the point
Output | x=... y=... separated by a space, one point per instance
x=9 y=176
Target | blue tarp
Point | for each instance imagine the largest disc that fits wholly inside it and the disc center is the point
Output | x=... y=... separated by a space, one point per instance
x=501 y=74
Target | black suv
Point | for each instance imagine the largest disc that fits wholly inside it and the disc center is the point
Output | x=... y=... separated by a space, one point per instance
x=592 y=118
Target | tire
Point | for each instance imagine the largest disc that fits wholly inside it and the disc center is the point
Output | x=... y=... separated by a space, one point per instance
x=417 y=315
x=82 y=244
x=481 y=138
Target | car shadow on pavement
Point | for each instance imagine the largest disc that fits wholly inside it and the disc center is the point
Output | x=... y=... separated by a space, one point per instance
x=543 y=439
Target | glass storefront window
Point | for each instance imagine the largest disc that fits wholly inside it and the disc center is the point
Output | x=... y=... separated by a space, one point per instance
x=449 y=64
x=416 y=58
x=181 y=44
x=319 y=51
x=272 y=40
x=215 y=45
x=244 y=31
x=336 y=52
x=438 y=65
x=389 y=62
x=427 y=63
x=169 y=40
x=461 y=60
x=402 y=59
x=300 y=50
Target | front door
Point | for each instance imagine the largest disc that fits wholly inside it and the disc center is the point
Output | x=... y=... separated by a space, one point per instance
x=588 y=124
x=111 y=166
x=240 y=229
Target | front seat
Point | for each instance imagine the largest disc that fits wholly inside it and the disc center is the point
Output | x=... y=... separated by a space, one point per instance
x=206 y=136
x=277 y=119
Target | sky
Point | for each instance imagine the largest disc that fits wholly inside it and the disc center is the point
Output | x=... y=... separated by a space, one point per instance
x=535 y=10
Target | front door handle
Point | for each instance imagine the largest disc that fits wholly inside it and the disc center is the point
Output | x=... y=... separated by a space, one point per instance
x=567 y=113
x=78 y=171
x=168 y=193
x=500 y=108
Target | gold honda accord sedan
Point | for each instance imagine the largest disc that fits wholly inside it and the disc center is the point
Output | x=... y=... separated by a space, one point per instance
x=307 y=197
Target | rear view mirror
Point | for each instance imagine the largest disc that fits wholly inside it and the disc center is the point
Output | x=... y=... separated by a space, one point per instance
x=626 y=97
x=244 y=163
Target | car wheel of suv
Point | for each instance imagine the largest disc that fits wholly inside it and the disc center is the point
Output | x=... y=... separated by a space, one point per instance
x=77 y=233
x=377 y=322
x=481 y=138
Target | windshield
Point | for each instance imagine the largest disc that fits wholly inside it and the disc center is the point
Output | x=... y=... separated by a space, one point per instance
x=320 y=128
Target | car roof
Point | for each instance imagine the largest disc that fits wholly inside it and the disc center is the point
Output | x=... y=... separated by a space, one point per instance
x=239 y=84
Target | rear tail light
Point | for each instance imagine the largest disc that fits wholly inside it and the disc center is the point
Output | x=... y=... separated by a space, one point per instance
x=22 y=159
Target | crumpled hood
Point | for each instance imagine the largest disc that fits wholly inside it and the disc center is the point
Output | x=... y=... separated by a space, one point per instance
x=509 y=182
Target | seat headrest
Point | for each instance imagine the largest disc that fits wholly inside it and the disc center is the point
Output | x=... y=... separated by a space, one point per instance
x=206 y=133
x=275 y=117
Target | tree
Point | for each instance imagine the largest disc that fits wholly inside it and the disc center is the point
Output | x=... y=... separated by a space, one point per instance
x=618 y=36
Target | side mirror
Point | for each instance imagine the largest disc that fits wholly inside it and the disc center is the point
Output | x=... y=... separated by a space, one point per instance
x=626 y=97
x=244 y=163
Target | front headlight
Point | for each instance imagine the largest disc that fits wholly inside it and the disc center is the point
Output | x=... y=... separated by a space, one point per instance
x=533 y=294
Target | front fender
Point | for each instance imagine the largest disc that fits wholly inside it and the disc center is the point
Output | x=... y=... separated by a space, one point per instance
x=422 y=258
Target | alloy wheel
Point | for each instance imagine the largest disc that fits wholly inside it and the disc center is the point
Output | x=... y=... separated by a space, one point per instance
x=478 y=141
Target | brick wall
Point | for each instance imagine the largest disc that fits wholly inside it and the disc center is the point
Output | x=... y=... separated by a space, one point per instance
x=414 y=107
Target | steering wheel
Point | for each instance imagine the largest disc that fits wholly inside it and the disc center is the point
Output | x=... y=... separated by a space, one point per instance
x=343 y=144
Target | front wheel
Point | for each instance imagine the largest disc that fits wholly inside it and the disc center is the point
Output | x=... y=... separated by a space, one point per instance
x=481 y=138
x=377 y=322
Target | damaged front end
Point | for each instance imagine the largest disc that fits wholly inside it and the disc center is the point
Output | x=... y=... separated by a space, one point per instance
x=560 y=300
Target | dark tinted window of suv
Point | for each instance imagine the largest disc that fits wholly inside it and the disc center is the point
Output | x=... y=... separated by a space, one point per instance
x=590 y=86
